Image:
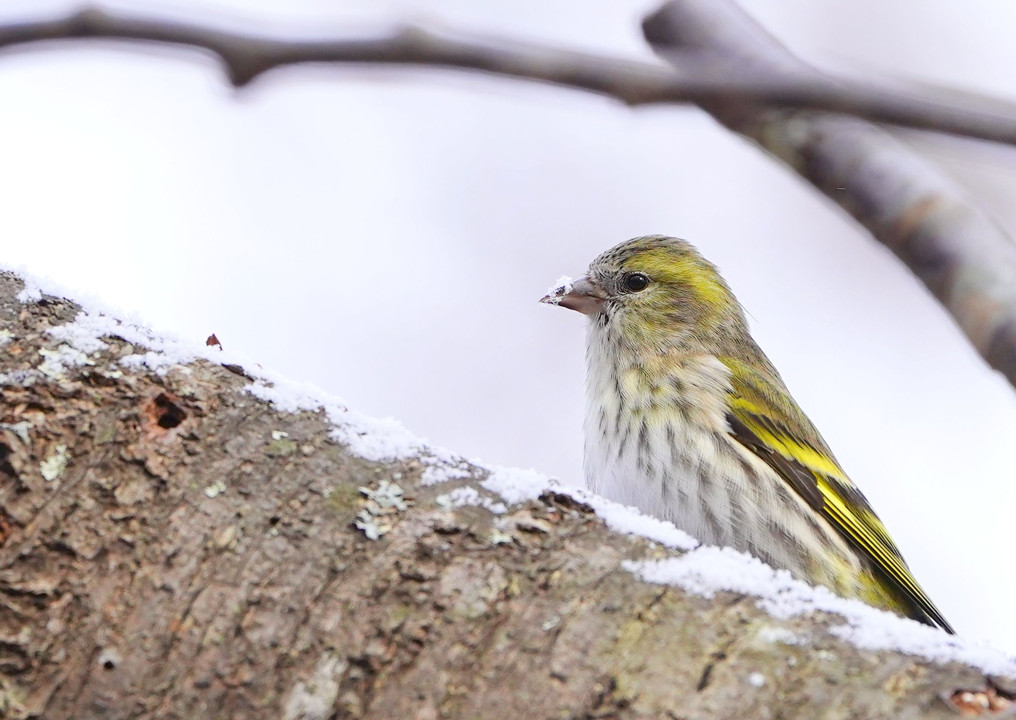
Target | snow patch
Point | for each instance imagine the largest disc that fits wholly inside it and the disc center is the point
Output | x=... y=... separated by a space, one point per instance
x=709 y=570
x=31 y=293
x=56 y=363
x=630 y=521
x=515 y=485
x=374 y=439
x=437 y=473
x=561 y=287
x=467 y=495
x=780 y=635
x=83 y=334
x=702 y=570
x=22 y=378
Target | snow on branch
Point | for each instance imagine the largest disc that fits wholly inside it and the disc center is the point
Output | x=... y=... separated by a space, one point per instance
x=240 y=540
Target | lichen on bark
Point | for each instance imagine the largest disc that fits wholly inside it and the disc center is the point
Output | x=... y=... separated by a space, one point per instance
x=173 y=547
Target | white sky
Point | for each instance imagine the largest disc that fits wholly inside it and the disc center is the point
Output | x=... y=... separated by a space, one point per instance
x=386 y=235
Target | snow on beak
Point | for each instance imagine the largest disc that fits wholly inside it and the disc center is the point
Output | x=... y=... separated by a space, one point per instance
x=582 y=295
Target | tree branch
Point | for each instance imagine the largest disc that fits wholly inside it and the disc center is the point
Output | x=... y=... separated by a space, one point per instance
x=697 y=78
x=960 y=253
x=173 y=547
x=730 y=66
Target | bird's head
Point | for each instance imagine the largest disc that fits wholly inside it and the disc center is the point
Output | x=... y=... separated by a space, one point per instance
x=652 y=291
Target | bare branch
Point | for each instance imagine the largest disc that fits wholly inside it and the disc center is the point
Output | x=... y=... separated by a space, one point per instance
x=961 y=254
x=701 y=77
x=730 y=66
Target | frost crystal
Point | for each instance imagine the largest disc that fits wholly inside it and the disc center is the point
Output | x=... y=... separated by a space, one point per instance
x=561 y=287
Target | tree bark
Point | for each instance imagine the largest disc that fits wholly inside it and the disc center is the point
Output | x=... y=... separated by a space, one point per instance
x=174 y=547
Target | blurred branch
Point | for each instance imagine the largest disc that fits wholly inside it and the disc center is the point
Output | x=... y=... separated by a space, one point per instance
x=700 y=77
x=961 y=255
x=724 y=62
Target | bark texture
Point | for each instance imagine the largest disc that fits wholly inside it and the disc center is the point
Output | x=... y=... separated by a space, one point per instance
x=173 y=547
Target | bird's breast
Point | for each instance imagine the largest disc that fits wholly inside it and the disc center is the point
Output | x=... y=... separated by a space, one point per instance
x=655 y=431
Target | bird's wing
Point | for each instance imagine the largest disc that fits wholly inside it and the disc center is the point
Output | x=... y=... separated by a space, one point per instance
x=769 y=424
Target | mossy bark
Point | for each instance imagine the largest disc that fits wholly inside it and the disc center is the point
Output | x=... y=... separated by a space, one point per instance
x=173 y=547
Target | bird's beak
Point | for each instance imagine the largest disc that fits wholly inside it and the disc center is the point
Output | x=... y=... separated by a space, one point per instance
x=583 y=295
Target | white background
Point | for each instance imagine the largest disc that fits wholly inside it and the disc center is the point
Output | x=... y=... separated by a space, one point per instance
x=386 y=234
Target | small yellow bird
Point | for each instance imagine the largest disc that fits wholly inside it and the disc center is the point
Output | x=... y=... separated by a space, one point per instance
x=687 y=420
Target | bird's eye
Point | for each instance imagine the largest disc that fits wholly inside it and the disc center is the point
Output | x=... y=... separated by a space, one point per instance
x=634 y=282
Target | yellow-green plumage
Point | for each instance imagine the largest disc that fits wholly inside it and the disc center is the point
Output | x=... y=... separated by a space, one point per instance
x=688 y=420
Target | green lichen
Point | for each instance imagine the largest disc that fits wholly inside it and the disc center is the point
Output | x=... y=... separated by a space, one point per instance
x=105 y=435
x=343 y=498
x=215 y=489
x=281 y=447
x=54 y=465
x=400 y=613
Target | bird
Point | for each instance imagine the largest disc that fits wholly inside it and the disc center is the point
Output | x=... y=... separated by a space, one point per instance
x=688 y=420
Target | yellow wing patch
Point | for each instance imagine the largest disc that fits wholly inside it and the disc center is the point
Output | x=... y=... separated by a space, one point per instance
x=873 y=539
x=826 y=488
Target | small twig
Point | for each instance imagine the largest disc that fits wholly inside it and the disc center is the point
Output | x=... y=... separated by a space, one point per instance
x=698 y=77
